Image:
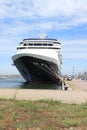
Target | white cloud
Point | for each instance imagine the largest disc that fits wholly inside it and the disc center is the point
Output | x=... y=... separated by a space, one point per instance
x=71 y=55
x=7 y=47
x=74 y=49
x=74 y=42
x=70 y=12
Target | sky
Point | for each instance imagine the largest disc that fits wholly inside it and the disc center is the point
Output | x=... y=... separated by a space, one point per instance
x=65 y=20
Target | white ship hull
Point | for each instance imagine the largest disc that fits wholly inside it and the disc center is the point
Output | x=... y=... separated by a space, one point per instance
x=38 y=65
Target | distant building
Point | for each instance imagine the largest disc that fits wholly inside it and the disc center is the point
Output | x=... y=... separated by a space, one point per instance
x=84 y=76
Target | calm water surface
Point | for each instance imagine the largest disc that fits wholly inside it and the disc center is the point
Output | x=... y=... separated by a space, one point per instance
x=20 y=83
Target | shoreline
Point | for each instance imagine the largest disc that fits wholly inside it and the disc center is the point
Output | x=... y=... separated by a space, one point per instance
x=75 y=94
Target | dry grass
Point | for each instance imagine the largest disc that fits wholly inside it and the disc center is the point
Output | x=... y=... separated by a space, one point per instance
x=42 y=115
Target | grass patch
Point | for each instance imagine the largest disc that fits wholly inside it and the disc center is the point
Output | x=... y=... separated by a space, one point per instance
x=42 y=115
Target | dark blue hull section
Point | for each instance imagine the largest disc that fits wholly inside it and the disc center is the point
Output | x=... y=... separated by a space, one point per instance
x=37 y=70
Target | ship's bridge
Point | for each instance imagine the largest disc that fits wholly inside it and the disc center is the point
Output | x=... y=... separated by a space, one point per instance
x=39 y=43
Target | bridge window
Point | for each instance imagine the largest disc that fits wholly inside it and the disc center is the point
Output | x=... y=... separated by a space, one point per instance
x=36 y=44
x=24 y=44
x=30 y=44
x=44 y=44
x=50 y=44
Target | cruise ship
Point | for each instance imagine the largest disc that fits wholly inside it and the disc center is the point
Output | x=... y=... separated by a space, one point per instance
x=39 y=60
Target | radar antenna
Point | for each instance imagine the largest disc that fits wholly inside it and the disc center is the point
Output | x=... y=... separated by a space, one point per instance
x=43 y=36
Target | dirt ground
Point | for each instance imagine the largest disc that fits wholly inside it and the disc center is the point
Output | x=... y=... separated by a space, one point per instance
x=76 y=93
x=79 y=84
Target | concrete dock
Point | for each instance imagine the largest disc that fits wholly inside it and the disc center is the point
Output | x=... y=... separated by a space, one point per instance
x=77 y=93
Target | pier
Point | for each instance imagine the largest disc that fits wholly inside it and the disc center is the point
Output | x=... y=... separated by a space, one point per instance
x=76 y=93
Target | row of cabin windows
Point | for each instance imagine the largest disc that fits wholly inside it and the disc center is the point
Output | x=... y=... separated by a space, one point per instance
x=36 y=44
x=35 y=47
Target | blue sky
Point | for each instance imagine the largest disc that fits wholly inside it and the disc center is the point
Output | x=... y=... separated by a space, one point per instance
x=65 y=20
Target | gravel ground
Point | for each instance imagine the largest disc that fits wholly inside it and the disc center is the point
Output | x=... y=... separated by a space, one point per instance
x=80 y=84
x=77 y=95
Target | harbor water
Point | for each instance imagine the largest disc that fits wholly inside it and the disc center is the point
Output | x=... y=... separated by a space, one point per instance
x=21 y=83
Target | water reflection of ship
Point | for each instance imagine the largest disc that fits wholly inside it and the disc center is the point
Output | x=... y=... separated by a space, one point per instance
x=3 y=77
x=26 y=85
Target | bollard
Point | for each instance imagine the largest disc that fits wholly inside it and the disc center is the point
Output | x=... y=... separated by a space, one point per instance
x=63 y=87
